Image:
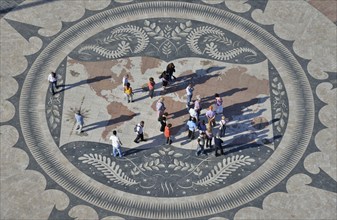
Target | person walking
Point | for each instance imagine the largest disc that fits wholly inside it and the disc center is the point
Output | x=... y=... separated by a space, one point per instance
x=52 y=78
x=197 y=106
x=167 y=134
x=210 y=114
x=218 y=104
x=192 y=127
x=201 y=144
x=151 y=85
x=116 y=144
x=189 y=93
x=139 y=129
x=128 y=92
x=170 y=69
x=209 y=135
x=163 y=120
x=125 y=80
x=79 y=121
x=222 y=128
x=218 y=145
x=164 y=79
x=160 y=107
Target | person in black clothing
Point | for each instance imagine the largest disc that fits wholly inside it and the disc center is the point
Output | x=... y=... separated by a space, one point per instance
x=163 y=120
x=170 y=69
x=218 y=145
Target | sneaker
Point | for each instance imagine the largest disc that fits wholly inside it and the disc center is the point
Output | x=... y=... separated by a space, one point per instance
x=136 y=142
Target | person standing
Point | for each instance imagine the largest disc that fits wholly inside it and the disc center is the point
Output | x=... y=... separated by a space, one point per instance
x=201 y=144
x=222 y=128
x=167 y=134
x=116 y=144
x=218 y=104
x=151 y=85
x=140 y=132
x=79 y=121
x=189 y=93
x=164 y=79
x=125 y=80
x=210 y=114
x=218 y=145
x=197 y=106
x=128 y=92
x=192 y=127
x=160 y=107
x=209 y=135
x=170 y=69
x=193 y=114
x=52 y=78
x=163 y=120
x=202 y=126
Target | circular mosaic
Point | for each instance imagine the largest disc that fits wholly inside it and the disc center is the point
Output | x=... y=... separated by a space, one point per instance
x=208 y=27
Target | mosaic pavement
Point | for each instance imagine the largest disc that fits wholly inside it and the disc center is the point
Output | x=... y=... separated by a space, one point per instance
x=272 y=62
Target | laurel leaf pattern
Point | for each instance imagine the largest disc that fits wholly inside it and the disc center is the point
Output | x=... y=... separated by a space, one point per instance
x=221 y=171
x=109 y=168
x=279 y=104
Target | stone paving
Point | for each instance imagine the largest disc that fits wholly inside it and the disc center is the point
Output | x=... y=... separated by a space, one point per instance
x=273 y=63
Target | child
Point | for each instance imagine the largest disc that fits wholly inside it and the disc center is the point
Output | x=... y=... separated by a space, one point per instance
x=151 y=85
x=167 y=134
x=128 y=92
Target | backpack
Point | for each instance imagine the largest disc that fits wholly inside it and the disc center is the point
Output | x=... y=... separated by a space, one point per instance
x=135 y=128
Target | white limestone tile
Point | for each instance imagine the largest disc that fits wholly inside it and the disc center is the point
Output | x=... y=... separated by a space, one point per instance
x=7 y=110
x=83 y=212
x=50 y=14
x=314 y=34
x=240 y=6
x=298 y=203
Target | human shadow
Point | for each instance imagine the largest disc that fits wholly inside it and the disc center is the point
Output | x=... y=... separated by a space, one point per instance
x=134 y=150
x=82 y=82
x=106 y=123
x=200 y=76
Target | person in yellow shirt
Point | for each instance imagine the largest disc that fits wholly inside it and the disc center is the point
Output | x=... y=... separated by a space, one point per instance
x=128 y=92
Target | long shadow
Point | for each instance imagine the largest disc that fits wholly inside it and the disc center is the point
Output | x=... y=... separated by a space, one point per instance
x=106 y=123
x=134 y=151
x=181 y=82
x=82 y=82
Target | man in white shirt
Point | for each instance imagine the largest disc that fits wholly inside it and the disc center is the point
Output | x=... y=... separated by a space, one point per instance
x=116 y=144
x=52 y=78
x=189 y=94
x=140 y=132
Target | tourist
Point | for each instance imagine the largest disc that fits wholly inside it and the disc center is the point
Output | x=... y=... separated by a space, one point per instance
x=52 y=78
x=167 y=134
x=139 y=129
x=160 y=107
x=163 y=120
x=170 y=69
x=218 y=104
x=218 y=145
x=222 y=128
x=125 y=80
x=201 y=144
x=128 y=92
x=116 y=144
x=210 y=114
x=209 y=135
x=192 y=127
x=189 y=93
x=151 y=85
x=79 y=121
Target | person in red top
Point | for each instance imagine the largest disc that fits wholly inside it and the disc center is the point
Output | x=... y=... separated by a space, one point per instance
x=167 y=134
x=151 y=85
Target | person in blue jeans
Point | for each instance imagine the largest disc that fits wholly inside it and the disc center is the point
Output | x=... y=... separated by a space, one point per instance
x=189 y=94
x=192 y=127
x=79 y=121
x=116 y=144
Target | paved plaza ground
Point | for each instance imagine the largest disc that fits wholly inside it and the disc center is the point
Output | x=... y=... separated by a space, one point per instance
x=273 y=63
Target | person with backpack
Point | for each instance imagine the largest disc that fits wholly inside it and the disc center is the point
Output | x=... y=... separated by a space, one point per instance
x=167 y=134
x=139 y=130
x=116 y=144
x=128 y=92
x=151 y=85
x=164 y=79
x=170 y=69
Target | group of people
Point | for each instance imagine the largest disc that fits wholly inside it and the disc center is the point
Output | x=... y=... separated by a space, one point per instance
x=194 y=123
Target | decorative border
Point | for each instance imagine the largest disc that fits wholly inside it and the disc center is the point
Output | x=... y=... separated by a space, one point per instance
x=284 y=159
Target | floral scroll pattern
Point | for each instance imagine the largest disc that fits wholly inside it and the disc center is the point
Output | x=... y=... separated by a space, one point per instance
x=167 y=39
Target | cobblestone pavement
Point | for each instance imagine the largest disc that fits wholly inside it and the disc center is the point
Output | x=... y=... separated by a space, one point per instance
x=273 y=63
